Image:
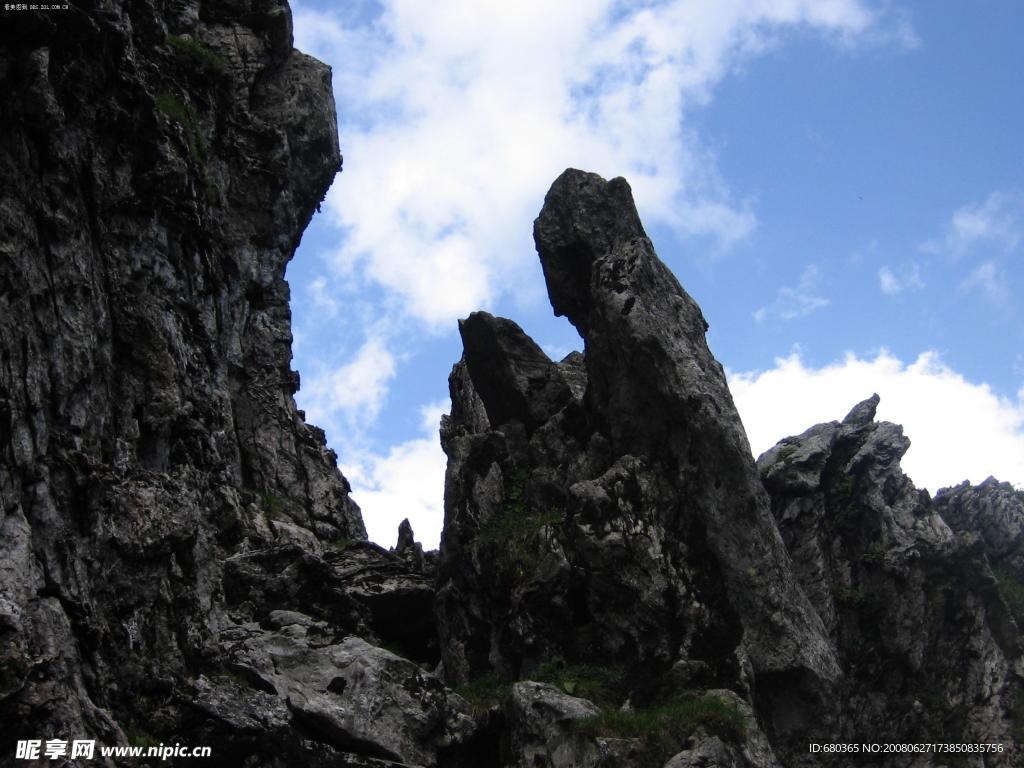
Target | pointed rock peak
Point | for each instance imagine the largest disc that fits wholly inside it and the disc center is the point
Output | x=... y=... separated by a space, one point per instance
x=512 y=375
x=584 y=218
x=863 y=412
x=406 y=538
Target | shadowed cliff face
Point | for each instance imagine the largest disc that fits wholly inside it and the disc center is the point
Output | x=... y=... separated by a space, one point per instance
x=607 y=508
x=166 y=512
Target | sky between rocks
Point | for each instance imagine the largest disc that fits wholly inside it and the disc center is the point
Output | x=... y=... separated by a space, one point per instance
x=838 y=183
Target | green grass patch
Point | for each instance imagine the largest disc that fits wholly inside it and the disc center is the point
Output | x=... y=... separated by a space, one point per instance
x=139 y=737
x=850 y=597
x=515 y=522
x=517 y=528
x=183 y=115
x=485 y=692
x=174 y=108
x=601 y=685
x=273 y=506
x=1012 y=592
x=663 y=730
x=844 y=487
x=196 y=55
x=785 y=452
x=875 y=554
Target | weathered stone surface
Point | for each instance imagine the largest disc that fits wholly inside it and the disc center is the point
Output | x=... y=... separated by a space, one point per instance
x=653 y=381
x=541 y=732
x=397 y=590
x=355 y=696
x=993 y=511
x=926 y=643
x=606 y=508
x=707 y=753
x=161 y=498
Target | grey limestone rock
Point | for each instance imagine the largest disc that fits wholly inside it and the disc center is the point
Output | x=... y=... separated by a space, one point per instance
x=606 y=509
x=711 y=752
x=925 y=641
x=604 y=512
x=541 y=732
x=160 y=494
x=994 y=512
x=356 y=696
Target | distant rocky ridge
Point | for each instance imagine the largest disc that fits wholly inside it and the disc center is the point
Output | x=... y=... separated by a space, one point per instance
x=618 y=584
x=924 y=633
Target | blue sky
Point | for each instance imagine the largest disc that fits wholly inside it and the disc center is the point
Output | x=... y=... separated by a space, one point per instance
x=839 y=183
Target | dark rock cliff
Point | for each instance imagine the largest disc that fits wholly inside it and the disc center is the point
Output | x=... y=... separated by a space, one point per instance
x=619 y=584
x=179 y=556
x=607 y=509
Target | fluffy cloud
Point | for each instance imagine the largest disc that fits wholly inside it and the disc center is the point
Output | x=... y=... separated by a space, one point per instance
x=405 y=482
x=982 y=435
x=350 y=397
x=990 y=281
x=997 y=222
x=456 y=116
x=793 y=302
x=321 y=297
x=904 y=278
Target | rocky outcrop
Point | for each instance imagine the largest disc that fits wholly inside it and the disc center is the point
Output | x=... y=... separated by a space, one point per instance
x=542 y=730
x=603 y=517
x=606 y=509
x=180 y=559
x=351 y=694
x=994 y=512
x=926 y=643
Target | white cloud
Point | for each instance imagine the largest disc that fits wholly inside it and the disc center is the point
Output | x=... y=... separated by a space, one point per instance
x=997 y=222
x=792 y=302
x=456 y=117
x=888 y=281
x=352 y=395
x=321 y=297
x=405 y=482
x=989 y=280
x=959 y=430
x=906 y=277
